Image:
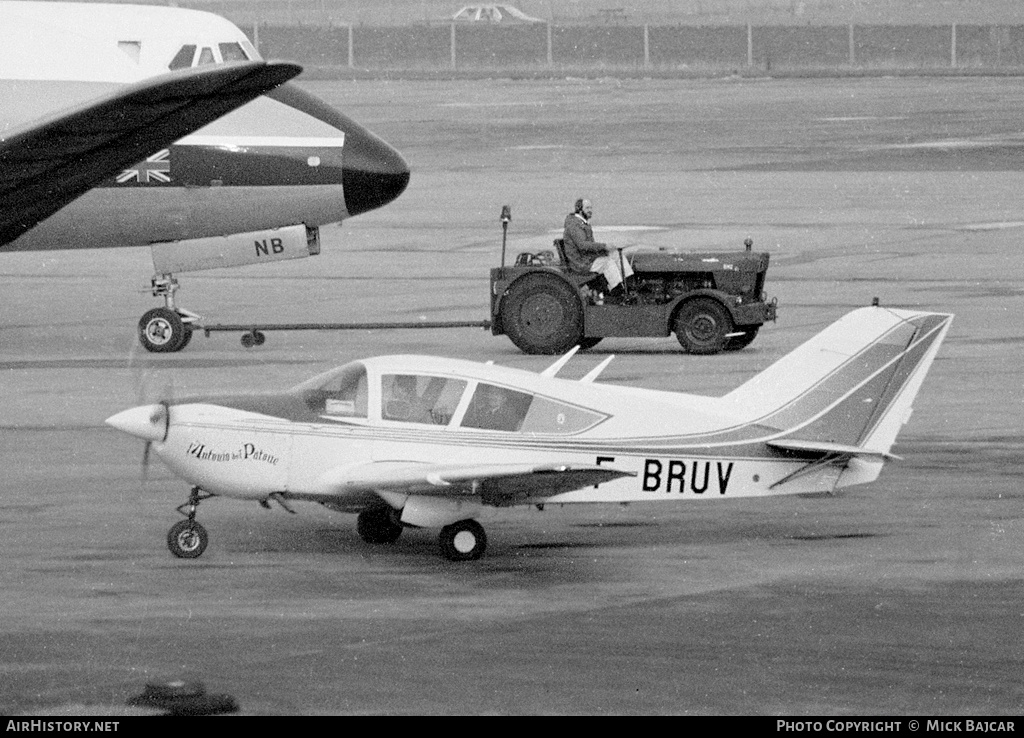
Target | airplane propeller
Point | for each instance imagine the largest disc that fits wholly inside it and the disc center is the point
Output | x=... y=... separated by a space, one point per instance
x=150 y=421
x=160 y=416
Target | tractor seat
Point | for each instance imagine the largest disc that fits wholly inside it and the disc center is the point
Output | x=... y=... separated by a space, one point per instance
x=579 y=278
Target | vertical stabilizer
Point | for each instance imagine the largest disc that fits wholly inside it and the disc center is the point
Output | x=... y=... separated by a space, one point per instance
x=852 y=385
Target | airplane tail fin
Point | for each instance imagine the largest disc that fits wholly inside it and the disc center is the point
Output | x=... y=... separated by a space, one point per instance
x=844 y=395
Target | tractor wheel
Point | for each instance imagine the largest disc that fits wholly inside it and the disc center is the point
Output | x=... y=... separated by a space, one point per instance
x=542 y=314
x=701 y=326
x=463 y=541
x=162 y=331
x=376 y=525
x=740 y=342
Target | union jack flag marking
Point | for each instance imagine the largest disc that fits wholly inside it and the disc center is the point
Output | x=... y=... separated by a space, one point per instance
x=156 y=168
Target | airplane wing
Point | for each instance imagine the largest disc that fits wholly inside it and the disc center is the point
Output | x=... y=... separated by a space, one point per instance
x=50 y=162
x=496 y=484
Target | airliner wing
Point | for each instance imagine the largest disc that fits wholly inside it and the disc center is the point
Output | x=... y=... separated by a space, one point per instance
x=497 y=484
x=47 y=164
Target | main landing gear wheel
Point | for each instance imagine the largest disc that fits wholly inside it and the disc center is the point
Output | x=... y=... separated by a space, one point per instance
x=463 y=541
x=187 y=539
x=701 y=325
x=542 y=314
x=377 y=525
x=161 y=330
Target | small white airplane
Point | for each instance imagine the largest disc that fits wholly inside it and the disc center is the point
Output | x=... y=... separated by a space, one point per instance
x=250 y=187
x=428 y=442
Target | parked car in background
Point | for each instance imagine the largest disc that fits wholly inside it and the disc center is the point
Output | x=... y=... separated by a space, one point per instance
x=494 y=14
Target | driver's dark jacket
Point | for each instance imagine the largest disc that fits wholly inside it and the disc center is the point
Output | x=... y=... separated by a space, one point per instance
x=579 y=245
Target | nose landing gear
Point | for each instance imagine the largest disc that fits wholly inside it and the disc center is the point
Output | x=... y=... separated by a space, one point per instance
x=187 y=539
x=169 y=328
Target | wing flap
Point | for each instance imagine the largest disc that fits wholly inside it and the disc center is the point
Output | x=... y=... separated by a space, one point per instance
x=50 y=162
x=495 y=484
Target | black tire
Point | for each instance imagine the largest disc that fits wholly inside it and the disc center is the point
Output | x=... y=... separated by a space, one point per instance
x=186 y=337
x=463 y=541
x=187 y=539
x=542 y=314
x=740 y=342
x=589 y=343
x=377 y=525
x=701 y=325
x=162 y=331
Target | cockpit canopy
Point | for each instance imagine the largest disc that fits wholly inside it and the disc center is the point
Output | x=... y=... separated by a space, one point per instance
x=195 y=55
x=435 y=399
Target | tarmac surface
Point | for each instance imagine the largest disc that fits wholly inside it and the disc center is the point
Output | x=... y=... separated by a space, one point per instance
x=903 y=597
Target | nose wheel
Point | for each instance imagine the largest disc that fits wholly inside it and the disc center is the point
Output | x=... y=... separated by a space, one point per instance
x=169 y=328
x=187 y=539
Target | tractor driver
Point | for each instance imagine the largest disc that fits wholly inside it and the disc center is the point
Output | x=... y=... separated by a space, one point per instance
x=585 y=255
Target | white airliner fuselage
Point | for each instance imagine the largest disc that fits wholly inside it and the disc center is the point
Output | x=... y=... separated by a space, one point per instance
x=283 y=161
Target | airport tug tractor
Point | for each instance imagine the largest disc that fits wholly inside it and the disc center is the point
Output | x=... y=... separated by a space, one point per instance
x=712 y=301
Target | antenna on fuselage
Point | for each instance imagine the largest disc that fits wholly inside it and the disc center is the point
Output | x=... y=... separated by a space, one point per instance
x=557 y=366
x=596 y=371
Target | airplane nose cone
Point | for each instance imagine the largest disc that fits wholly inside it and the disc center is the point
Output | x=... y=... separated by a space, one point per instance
x=148 y=422
x=373 y=173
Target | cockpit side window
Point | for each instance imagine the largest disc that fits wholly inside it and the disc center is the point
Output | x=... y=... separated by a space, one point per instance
x=232 y=52
x=412 y=398
x=341 y=393
x=183 y=58
x=131 y=49
x=206 y=56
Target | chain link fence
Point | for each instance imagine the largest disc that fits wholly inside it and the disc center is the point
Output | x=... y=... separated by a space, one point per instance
x=540 y=46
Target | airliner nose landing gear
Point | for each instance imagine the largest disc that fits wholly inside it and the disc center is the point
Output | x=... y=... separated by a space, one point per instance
x=166 y=329
x=187 y=539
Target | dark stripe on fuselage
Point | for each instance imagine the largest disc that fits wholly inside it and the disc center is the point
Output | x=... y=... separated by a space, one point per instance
x=242 y=166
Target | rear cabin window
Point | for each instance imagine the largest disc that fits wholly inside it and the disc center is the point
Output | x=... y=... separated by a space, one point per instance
x=416 y=398
x=206 y=56
x=183 y=58
x=550 y=416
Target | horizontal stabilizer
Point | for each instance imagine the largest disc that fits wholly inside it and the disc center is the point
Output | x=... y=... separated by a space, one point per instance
x=824 y=447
